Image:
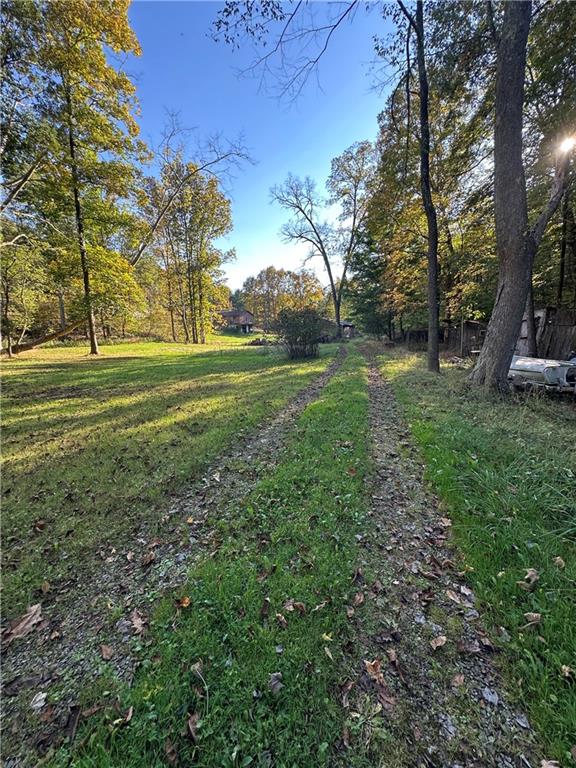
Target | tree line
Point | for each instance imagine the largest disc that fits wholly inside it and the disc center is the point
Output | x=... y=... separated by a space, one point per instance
x=99 y=231
x=470 y=212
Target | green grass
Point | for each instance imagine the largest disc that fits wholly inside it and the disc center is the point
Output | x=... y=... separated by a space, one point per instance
x=507 y=472
x=292 y=538
x=94 y=447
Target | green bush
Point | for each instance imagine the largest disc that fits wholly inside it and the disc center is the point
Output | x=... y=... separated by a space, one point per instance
x=299 y=331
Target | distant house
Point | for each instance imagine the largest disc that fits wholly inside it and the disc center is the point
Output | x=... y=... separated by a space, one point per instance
x=239 y=319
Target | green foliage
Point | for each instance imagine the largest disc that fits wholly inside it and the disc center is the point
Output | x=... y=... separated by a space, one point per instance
x=507 y=472
x=300 y=331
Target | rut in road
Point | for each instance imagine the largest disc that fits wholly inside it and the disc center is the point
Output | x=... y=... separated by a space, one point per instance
x=422 y=686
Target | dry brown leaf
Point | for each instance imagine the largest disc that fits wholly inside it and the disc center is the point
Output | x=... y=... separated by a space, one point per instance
x=529 y=581
x=458 y=680
x=319 y=607
x=374 y=669
x=533 y=618
x=265 y=609
x=148 y=559
x=566 y=671
x=192 y=726
x=445 y=522
x=190 y=520
x=349 y=611
x=107 y=652
x=559 y=563
x=281 y=620
x=289 y=605
x=438 y=642
x=25 y=624
x=138 y=621
x=170 y=752
x=184 y=602
x=45 y=587
x=358 y=599
x=346 y=688
x=392 y=655
x=328 y=653
x=453 y=596
x=300 y=607
x=550 y=764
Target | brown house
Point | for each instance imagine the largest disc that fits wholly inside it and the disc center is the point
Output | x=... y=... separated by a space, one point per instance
x=238 y=319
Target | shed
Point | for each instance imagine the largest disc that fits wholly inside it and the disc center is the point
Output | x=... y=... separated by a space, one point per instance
x=240 y=319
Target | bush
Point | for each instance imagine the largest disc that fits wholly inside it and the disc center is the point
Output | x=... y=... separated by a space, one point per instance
x=300 y=331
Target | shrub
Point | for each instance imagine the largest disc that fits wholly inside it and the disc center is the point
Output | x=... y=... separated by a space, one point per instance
x=300 y=331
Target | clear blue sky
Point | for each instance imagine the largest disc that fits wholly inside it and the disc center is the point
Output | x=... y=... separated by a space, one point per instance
x=182 y=69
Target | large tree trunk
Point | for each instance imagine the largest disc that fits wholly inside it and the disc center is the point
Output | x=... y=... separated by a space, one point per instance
x=510 y=207
x=80 y=227
x=433 y=308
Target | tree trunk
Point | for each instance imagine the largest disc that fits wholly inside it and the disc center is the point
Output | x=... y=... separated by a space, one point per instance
x=562 y=269
x=50 y=337
x=417 y=23
x=61 y=310
x=510 y=207
x=531 y=323
x=433 y=303
x=80 y=227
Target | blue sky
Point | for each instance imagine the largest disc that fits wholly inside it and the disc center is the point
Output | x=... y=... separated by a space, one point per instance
x=182 y=69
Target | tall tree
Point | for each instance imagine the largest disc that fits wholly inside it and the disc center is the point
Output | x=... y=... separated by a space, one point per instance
x=516 y=241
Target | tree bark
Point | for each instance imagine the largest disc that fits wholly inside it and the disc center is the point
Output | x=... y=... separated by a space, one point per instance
x=562 y=267
x=531 y=323
x=80 y=227
x=510 y=207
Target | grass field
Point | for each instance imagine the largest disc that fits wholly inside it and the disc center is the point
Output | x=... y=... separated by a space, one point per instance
x=211 y=663
x=507 y=472
x=93 y=447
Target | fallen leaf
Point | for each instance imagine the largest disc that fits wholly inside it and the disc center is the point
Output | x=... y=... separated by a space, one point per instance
x=358 y=599
x=190 y=520
x=184 y=602
x=319 y=607
x=559 y=562
x=39 y=525
x=192 y=725
x=385 y=696
x=550 y=764
x=38 y=701
x=170 y=751
x=374 y=669
x=566 y=671
x=328 y=653
x=45 y=587
x=148 y=559
x=300 y=607
x=392 y=655
x=275 y=682
x=377 y=587
x=107 y=652
x=349 y=611
x=529 y=581
x=281 y=620
x=445 y=522
x=346 y=688
x=533 y=618
x=453 y=596
x=358 y=577
x=25 y=624
x=289 y=605
x=458 y=680
x=471 y=646
x=129 y=556
x=138 y=621
x=265 y=609
x=438 y=642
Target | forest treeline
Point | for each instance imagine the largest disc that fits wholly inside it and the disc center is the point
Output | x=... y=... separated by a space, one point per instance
x=466 y=195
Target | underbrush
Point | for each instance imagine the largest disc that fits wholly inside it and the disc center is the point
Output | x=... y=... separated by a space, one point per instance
x=506 y=470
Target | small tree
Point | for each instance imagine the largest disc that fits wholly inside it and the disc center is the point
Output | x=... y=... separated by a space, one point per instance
x=300 y=331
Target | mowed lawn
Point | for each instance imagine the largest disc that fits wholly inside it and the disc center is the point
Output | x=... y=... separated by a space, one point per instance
x=95 y=447
x=506 y=470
